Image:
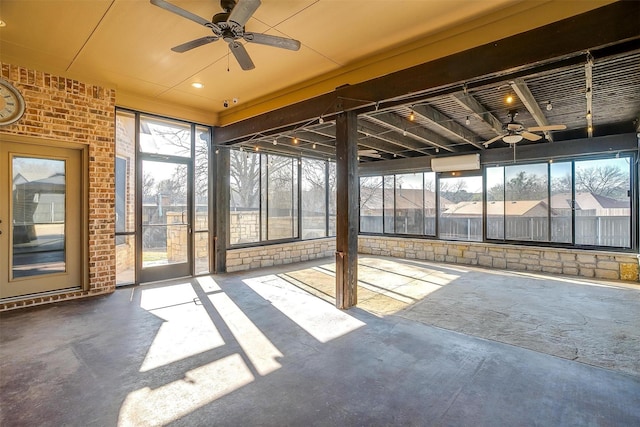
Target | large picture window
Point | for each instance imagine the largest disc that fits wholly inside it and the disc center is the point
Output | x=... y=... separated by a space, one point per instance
x=546 y=202
x=276 y=197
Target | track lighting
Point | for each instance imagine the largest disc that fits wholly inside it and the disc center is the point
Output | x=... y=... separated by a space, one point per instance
x=275 y=142
x=509 y=99
x=295 y=140
x=321 y=120
x=404 y=133
x=549 y=106
x=412 y=116
x=314 y=145
x=467 y=121
x=257 y=148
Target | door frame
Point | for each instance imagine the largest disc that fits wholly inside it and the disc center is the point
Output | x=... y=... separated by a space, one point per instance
x=83 y=240
x=169 y=271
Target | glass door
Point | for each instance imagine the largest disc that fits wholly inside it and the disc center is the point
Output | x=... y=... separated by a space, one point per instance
x=40 y=219
x=166 y=220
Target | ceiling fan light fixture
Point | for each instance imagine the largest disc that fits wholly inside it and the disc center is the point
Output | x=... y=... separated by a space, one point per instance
x=512 y=139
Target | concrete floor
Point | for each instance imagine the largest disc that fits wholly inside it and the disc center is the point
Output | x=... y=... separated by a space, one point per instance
x=428 y=345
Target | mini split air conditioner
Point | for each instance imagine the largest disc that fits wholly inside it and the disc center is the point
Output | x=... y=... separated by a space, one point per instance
x=468 y=162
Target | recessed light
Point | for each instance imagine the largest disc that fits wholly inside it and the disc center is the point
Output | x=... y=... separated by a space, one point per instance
x=197 y=85
x=2 y=23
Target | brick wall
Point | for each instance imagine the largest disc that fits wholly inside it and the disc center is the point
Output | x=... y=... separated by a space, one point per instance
x=62 y=109
x=573 y=262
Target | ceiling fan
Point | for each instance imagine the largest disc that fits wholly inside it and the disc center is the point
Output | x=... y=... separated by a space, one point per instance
x=229 y=26
x=515 y=132
x=369 y=153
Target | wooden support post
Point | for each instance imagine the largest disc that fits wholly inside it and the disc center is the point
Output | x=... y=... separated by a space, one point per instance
x=347 y=210
x=220 y=240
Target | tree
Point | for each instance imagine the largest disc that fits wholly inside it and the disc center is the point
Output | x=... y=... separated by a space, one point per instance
x=526 y=186
x=605 y=180
x=245 y=179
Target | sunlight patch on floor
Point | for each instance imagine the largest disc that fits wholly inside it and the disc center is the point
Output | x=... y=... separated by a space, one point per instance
x=207 y=284
x=187 y=329
x=200 y=386
x=260 y=351
x=322 y=321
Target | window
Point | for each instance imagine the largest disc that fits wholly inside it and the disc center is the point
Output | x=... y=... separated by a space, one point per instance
x=244 y=221
x=409 y=203
x=314 y=198
x=331 y=184
x=160 y=136
x=561 y=202
x=201 y=226
x=430 y=203
x=526 y=202
x=495 y=203
x=125 y=198
x=277 y=197
x=371 y=206
x=602 y=202
x=389 y=204
x=460 y=211
x=282 y=203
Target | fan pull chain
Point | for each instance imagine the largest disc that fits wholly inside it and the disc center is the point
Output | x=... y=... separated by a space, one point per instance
x=228 y=53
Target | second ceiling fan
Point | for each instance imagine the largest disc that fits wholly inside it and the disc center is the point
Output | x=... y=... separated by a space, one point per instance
x=515 y=132
x=229 y=26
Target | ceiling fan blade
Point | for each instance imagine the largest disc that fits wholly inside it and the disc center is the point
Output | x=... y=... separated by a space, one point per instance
x=531 y=136
x=194 y=43
x=546 y=128
x=492 y=140
x=367 y=151
x=242 y=11
x=184 y=13
x=274 y=41
x=514 y=127
x=242 y=56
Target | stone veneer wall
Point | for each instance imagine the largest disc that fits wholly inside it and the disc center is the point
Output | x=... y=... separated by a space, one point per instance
x=573 y=262
x=279 y=254
x=62 y=109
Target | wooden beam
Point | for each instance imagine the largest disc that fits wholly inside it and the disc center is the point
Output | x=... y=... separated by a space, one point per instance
x=221 y=219
x=588 y=77
x=447 y=124
x=522 y=90
x=347 y=210
x=474 y=107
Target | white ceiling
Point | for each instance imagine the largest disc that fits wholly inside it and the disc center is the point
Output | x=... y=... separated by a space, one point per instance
x=125 y=44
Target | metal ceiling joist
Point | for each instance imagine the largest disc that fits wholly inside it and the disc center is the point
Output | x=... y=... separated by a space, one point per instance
x=522 y=90
x=383 y=133
x=402 y=125
x=447 y=124
x=472 y=105
x=368 y=141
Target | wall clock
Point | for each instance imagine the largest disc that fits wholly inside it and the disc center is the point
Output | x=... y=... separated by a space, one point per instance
x=11 y=103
